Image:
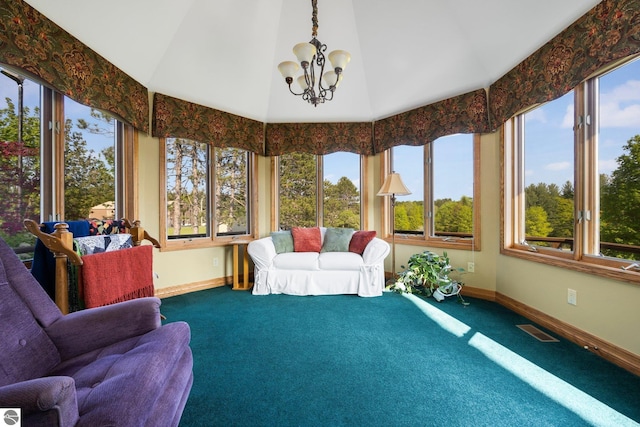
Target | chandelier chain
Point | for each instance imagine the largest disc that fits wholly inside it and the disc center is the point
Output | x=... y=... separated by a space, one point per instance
x=314 y=19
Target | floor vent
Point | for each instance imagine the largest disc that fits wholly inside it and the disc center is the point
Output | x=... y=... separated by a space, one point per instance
x=537 y=333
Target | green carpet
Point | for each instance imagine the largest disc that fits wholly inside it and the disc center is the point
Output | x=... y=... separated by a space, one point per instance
x=282 y=360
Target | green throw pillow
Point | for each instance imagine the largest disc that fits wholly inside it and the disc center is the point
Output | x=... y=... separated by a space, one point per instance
x=283 y=241
x=337 y=240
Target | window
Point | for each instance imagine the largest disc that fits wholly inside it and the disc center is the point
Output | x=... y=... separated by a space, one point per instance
x=199 y=177
x=442 y=177
x=60 y=160
x=318 y=190
x=568 y=176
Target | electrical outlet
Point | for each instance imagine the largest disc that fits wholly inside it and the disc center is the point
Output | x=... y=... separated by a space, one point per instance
x=215 y=262
x=572 y=296
x=471 y=267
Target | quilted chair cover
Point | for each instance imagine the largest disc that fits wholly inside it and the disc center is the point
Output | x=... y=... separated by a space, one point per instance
x=109 y=366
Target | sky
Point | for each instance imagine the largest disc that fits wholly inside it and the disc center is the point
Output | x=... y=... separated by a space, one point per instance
x=549 y=128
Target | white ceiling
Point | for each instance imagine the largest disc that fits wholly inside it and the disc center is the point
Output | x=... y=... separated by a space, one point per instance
x=224 y=53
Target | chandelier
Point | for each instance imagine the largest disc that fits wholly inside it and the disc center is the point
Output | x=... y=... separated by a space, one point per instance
x=311 y=55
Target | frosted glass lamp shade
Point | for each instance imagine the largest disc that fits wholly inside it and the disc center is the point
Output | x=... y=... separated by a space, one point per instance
x=393 y=185
x=288 y=69
x=304 y=52
x=303 y=83
x=339 y=58
x=331 y=79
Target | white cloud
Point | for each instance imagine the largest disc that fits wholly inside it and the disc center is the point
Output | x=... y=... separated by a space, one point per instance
x=568 y=120
x=613 y=112
x=607 y=166
x=538 y=115
x=559 y=166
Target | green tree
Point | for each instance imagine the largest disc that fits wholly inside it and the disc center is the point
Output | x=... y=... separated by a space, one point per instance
x=231 y=189
x=88 y=180
x=19 y=170
x=455 y=217
x=536 y=223
x=557 y=204
x=341 y=204
x=620 y=198
x=297 y=190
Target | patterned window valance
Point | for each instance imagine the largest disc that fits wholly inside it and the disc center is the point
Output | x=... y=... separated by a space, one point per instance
x=319 y=138
x=462 y=114
x=33 y=43
x=173 y=117
x=608 y=32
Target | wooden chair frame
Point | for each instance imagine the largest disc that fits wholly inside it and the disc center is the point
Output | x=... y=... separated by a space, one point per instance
x=60 y=243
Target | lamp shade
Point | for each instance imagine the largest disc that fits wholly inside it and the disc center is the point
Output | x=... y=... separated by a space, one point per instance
x=339 y=58
x=393 y=185
x=302 y=82
x=331 y=79
x=288 y=69
x=304 y=52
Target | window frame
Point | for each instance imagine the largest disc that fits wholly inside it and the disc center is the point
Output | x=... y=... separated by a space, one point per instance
x=427 y=238
x=213 y=240
x=52 y=161
x=586 y=191
x=275 y=191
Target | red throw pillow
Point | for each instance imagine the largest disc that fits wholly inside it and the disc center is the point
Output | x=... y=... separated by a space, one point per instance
x=306 y=239
x=360 y=240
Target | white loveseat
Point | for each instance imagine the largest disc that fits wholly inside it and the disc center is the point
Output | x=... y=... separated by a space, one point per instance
x=318 y=273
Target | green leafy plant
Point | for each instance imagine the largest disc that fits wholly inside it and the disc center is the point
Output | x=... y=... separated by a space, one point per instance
x=425 y=272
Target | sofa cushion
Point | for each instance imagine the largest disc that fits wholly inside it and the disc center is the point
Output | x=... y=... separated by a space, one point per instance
x=360 y=240
x=340 y=261
x=297 y=261
x=282 y=241
x=306 y=239
x=337 y=240
x=27 y=351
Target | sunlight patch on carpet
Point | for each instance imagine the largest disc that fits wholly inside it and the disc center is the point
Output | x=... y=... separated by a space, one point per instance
x=445 y=321
x=588 y=408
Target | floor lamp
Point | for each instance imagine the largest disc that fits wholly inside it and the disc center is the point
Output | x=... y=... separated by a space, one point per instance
x=393 y=186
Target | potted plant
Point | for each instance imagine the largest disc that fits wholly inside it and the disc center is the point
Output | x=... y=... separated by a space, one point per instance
x=428 y=274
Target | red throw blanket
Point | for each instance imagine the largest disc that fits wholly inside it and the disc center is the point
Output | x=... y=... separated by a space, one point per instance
x=116 y=276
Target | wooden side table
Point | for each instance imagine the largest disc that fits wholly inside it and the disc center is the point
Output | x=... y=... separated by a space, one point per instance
x=245 y=285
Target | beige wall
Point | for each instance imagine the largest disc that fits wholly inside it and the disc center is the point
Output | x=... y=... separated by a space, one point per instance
x=606 y=308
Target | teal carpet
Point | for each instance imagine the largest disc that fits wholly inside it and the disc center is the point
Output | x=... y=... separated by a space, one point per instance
x=282 y=360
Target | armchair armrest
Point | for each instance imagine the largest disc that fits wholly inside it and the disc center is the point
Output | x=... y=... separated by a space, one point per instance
x=376 y=251
x=262 y=252
x=86 y=330
x=43 y=401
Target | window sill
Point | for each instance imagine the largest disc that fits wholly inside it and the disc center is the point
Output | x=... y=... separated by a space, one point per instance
x=607 y=271
x=446 y=243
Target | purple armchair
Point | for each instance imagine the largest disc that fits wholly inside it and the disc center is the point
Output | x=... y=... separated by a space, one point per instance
x=109 y=366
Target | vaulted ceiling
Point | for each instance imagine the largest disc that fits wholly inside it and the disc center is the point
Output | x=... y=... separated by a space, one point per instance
x=224 y=53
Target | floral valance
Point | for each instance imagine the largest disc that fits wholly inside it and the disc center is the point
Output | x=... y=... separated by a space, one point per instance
x=33 y=43
x=608 y=32
x=462 y=114
x=173 y=117
x=319 y=138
